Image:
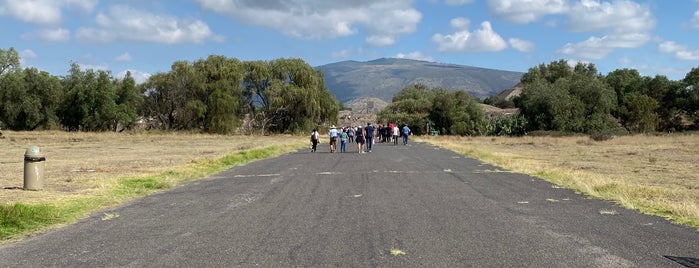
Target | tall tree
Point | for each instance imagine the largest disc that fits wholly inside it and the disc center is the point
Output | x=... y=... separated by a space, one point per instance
x=129 y=100
x=89 y=100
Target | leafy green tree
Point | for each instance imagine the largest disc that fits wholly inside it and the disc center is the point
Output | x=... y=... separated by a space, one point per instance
x=412 y=106
x=89 y=101
x=28 y=99
x=690 y=95
x=567 y=99
x=220 y=91
x=287 y=95
x=642 y=117
x=129 y=99
x=456 y=113
x=9 y=60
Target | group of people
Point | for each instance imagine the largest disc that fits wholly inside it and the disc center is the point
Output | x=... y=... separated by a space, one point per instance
x=363 y=137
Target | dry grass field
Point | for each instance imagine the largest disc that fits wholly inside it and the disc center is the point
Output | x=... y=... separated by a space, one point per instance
x=657 y=175
x=85 y=164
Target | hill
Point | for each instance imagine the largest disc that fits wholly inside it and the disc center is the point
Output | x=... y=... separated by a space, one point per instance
x=382 y=78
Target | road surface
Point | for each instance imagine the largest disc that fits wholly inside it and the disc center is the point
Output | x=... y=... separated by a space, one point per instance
x=399 y=206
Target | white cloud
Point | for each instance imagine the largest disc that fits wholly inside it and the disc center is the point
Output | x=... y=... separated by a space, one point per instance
x=460 y=23
x=415 y=55
x=625 y=24
x=525 y=11
x=124 y=57
x=49 y=35
x=622 y=16
x=28 y=54
x=482 y=39
x=123 y=23
x=43 y=12
x=383 y=21
x=521 y=45
x=695 y=20
x=681 y=52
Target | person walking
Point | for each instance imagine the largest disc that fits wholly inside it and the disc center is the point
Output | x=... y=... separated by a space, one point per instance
x=406 y=132
x=314 y=140
x=360 y=140
x=343 y=141
x=369 y=129
x=350 y=134
x=333 y=133
x=396 y=132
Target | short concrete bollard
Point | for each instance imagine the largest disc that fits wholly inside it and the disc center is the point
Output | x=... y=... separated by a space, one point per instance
x=34 y=164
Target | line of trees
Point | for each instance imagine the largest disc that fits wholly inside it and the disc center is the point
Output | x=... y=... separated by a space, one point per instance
x=216 y=95
x=423 y=108
x=558 y=97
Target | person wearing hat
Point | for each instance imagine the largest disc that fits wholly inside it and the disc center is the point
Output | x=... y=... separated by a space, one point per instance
x=333 y=133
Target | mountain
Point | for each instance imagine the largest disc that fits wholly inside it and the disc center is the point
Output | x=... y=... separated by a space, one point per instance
x=383 y=78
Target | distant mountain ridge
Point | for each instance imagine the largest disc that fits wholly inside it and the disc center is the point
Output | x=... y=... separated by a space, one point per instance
x=383 y=78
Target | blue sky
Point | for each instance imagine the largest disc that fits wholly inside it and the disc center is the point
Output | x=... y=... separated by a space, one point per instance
x=146 y=37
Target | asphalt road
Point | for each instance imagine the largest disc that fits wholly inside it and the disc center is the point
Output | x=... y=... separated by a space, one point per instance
x=399 y=206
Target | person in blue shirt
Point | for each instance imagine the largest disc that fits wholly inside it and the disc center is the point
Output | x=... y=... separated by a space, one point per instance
x=406 y=132
x=369 y=129
x=333 y=133
x=343 y=141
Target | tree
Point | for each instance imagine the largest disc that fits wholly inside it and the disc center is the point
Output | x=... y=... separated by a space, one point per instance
x=9 y=60
x=412 y=106
x=689 y=93
x=456 y=113
x=220 y=91
x=89 y=101
x=567 y=99
x=287 y=95
x=128 y=100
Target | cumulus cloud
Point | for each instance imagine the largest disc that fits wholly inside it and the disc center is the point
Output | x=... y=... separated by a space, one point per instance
x=49 y=35
x=43 y=12
x=622 y=23
x=525 y=11
x=480 y=40
x=383 y=21
x=123 y=23
x=625 y=24
x=695 y=20
x=621 y=16
x=521 y=45
x=415 y=55
x=681 y=52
